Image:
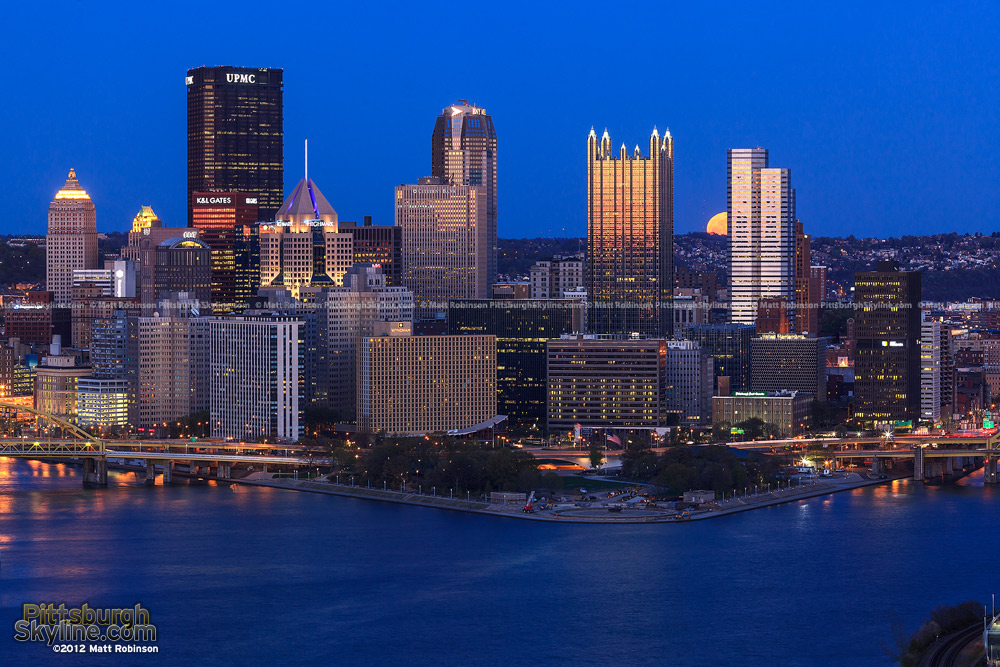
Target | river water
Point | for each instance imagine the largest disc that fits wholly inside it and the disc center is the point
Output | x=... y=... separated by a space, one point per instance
x=248 y=575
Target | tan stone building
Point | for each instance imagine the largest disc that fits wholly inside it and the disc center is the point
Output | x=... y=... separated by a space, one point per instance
x=422 y=384
x=71 y=241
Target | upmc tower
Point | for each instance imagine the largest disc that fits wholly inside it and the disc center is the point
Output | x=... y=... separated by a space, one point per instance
x=235 y=135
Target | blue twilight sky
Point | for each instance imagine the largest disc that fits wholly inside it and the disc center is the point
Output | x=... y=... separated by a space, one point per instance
x=886 y=113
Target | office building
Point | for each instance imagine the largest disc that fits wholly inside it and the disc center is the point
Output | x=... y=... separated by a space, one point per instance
x=255 y=387
x=818 y=287
x=224 y=218
x=887 y=334
x=792 y=362
x=511 y=290
x=176 y=264
x=423 y=384
x=606 y=382
x=446 y=246
x=235 y=135
x=807 y=295
x=464 y=153
x=761 y=213
x=550 y=278
x=16 y=375
x=787 y=412
x=247 y=257
x=56 y=381
x=729 y=346
x=34 y=318
x=705 y=283
x=89 y=304
x=304 y=247
x=380 y=245
x=449 y=219
x=521 y=327
x=630 y=237
x=689 y=372
x=690 y=310
x=930 y=370
x=71 y=240
x=366 y=305
x=103 y=403
x=114 y=353
x=173 y=363
x=118 y=278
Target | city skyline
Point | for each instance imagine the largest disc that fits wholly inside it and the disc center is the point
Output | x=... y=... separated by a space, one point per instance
x=842 y=126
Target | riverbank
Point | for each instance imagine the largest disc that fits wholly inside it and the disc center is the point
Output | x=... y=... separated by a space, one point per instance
x=569 y=512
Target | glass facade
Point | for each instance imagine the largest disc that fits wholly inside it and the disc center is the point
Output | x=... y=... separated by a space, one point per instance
x=630 y=232
x=887 y=355
x=222 y=219
x=522 y=327
x=235 y=134
x=729 y=345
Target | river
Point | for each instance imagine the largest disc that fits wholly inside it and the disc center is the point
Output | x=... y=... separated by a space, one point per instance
x=246 y=575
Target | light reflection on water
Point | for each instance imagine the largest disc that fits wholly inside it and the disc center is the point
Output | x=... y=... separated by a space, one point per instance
x=329 y=579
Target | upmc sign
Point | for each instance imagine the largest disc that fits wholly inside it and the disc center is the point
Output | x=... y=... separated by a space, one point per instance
x=238 y=77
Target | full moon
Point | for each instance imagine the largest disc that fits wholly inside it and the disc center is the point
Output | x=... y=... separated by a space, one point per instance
x=718 y=224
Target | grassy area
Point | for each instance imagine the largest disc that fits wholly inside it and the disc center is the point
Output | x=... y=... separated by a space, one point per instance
x=591 y=484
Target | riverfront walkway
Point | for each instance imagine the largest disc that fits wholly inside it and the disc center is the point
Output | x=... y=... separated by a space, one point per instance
x=570 y=512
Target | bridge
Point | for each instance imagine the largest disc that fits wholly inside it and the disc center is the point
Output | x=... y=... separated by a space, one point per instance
x=933 y=455
x=209 y=458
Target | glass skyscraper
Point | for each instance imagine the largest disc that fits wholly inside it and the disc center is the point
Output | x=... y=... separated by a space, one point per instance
x=630 y=237
x=235 y=134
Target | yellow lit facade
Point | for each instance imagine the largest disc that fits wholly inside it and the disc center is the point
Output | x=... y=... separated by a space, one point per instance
x=630 y=231
x=71 y=241
x=145 y=219
x=422 y=384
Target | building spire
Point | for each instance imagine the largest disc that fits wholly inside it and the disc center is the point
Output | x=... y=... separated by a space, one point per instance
x=307 y=161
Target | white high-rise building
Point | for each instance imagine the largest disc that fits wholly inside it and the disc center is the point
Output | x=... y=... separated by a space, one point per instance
x=255 y=371
x=930 y=370
x=761 y=210
x=71 y=241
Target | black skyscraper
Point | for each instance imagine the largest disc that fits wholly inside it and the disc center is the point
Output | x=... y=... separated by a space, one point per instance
x=235 y=135
x=887 y=334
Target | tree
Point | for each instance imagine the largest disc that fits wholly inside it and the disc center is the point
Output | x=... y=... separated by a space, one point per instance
x=596 y=456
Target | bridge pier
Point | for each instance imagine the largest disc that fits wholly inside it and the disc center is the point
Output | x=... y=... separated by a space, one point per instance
x=877 y=465
x=150 y=472
x=225 y=470
x=95 y=471
x=168 y=472
x=918 y=463
x=990 y=471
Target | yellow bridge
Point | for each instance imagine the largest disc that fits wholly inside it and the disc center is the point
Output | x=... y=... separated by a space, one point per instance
x=210 y=458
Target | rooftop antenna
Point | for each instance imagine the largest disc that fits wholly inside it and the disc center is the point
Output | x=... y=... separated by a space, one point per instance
x=307 y=160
